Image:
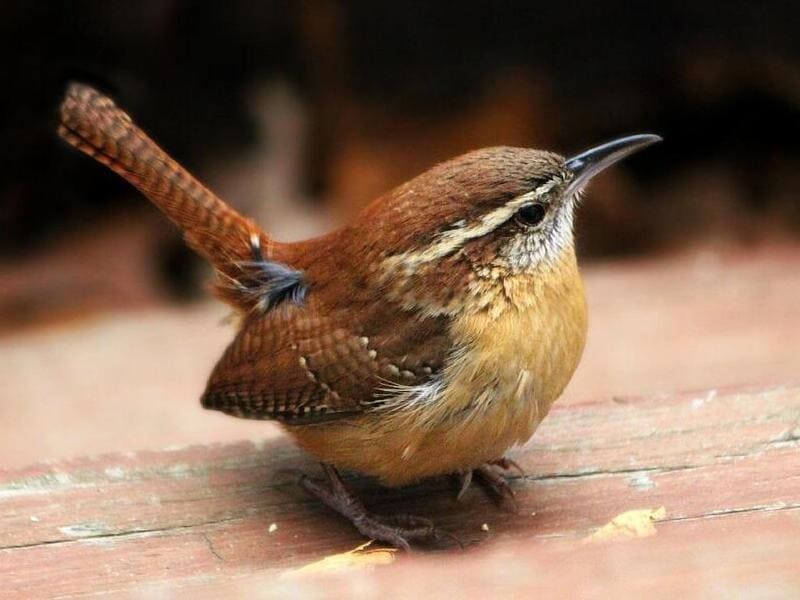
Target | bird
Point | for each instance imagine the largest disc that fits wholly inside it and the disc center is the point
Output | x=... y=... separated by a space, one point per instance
x=425 y=337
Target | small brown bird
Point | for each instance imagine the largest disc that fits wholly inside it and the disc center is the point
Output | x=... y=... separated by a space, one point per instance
x=426 y=337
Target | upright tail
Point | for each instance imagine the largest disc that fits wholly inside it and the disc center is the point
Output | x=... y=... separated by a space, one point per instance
x=232 y=243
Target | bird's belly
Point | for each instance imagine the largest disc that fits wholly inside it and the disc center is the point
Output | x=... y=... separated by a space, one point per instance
x=398 y=452
x=495 y=396
x=481 y=416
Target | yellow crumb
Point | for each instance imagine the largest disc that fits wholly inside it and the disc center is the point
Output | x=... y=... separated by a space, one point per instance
x=630 y=524
x=357 y=558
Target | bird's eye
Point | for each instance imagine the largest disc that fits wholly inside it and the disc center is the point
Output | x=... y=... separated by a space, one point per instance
x=530 y=215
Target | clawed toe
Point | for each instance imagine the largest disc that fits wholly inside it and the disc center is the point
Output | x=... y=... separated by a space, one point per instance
x=398 y=531
x=466 y=482
x=401 y=530
x=420 y=529
x=492 y=480
x=508 y=464
x=497 y=485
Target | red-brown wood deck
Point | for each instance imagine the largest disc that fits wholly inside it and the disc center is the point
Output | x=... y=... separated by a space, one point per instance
x=206 y=520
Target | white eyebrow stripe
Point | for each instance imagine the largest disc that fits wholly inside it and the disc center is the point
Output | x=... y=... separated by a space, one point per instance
x=451 y=240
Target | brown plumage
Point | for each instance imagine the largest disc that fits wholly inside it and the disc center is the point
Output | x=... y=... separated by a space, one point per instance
x=426 y=337
x=92 y=123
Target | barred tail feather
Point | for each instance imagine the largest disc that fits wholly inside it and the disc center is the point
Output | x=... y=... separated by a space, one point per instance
x=92 y=123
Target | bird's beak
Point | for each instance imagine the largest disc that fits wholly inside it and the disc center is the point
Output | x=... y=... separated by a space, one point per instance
x=589 y=163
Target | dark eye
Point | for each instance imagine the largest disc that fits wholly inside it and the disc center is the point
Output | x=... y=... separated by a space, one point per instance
x=530 y=214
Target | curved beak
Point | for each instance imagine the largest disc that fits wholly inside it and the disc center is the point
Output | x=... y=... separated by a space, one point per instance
x=589 y=163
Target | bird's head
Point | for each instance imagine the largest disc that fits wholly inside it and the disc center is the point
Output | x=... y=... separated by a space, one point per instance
x=485 y=216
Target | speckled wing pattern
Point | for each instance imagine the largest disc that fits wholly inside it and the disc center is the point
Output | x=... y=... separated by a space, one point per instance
x=294 y=365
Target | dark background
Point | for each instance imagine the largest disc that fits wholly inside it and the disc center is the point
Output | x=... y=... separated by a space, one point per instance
x=301 y=112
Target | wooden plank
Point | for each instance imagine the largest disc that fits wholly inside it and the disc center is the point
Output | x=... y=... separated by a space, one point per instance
x=731 y=557
x=717 y=460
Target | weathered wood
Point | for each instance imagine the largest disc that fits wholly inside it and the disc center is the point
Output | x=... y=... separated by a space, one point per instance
x=718 y=461
x=731 y=557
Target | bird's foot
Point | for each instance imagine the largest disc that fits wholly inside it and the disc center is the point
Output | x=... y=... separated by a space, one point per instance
x=493 y=480
x=399 y=531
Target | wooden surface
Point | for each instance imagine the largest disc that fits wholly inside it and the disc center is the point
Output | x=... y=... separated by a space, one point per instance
x=203 y=520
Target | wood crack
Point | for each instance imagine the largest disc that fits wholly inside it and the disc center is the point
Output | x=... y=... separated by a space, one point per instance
x=724 y=512
x=124 y=535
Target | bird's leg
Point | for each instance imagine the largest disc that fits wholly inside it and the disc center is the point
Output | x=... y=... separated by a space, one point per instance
x=493 y=480
x=398 y=531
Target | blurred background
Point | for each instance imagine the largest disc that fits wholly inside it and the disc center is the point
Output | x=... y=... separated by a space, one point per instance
x=299 y=113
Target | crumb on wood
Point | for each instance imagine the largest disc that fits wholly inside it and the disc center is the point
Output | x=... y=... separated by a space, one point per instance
x=360 y=557
x=630 y=524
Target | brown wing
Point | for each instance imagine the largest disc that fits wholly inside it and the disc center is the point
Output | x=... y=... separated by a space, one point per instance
x=293 y=364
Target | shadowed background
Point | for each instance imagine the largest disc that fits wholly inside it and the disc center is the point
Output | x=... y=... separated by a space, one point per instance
x=299 y=113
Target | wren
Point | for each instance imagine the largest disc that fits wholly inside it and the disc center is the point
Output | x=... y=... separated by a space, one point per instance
x=426 y=337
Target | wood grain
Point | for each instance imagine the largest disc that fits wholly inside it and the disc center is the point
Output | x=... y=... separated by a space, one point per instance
x=725 y=464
